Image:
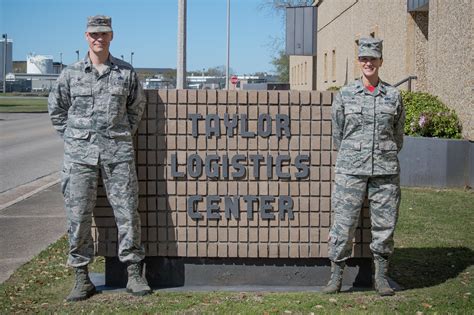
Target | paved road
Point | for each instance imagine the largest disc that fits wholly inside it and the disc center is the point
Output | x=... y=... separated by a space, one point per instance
x=30 y=158
x=29 y=149
x=28 y=227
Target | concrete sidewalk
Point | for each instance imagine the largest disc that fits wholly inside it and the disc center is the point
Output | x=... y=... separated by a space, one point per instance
x=29 y=226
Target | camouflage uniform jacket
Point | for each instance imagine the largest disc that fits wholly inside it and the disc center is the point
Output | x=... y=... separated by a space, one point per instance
x=368 y=129
x=97 y=114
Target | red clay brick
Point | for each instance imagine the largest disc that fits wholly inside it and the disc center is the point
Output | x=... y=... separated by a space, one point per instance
x=253 y=250
x=273 y=97
x=192 y=96
x=262 y=97
x=326 y=97
x=242 y=97
x=231 y=97
x=315 y=97
x=162 y=97
x=182 y=96
x=284 y=97
x=294 y=97
x=172 y=96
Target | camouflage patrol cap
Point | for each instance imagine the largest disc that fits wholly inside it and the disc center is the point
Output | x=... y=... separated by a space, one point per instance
x=99 y=24
x=370 y=47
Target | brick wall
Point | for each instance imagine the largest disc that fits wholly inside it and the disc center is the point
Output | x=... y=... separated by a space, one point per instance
x=165 y=134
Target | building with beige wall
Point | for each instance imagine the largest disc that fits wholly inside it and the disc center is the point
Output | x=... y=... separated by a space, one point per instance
x=301 y=73
x=430 y=39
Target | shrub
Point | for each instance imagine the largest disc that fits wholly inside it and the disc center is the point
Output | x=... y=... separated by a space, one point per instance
x=334 y=88
x=427 y=116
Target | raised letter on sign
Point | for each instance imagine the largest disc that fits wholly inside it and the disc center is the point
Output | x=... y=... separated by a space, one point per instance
x=174 y=166
x=266 y=207
x=283 y=124
x=194 y=119
x=212 y=207
x=250 y=199
x=192 y=211
x=232 y=207
x=230 y=124
x=285 y=204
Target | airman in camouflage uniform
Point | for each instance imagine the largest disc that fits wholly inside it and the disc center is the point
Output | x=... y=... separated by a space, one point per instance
x=95 y=106
x=368 y=120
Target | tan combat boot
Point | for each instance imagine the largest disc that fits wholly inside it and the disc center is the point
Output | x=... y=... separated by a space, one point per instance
x=380 y=279
x=335 y=283
x=83 y=286
x=136 y=285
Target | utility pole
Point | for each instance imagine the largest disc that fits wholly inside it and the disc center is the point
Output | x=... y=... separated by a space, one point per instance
x=61 y=62
x=228 y=47
x=131 y=58
x=181 y=54
x=5 y=44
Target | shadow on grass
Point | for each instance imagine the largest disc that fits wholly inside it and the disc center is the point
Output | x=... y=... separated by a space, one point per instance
x=425 y=267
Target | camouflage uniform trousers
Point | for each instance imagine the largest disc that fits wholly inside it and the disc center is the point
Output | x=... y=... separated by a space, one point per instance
x=349 y=194
x=79 y=187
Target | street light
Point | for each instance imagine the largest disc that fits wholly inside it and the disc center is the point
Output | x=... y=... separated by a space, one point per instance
x=131 y=58
x=121 y=56
x=77 y=52
x=228 y=47
x=5 y=43
x=181 y=49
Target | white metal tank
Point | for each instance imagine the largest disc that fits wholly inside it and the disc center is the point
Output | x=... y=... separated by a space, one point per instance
x=39 y=64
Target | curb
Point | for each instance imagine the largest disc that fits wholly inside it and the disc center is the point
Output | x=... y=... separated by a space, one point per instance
x=17 y=194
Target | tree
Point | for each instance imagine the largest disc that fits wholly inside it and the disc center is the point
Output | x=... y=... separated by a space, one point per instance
x=281 y=62
x=170 y=76
x=279 y=6
x=218 y=71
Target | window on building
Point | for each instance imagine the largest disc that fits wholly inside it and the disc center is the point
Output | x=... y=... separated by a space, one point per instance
x=333 y=72
x=325 y=74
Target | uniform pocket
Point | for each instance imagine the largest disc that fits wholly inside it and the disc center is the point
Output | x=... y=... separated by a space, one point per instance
x=76 y=133
x=352 y=108
x=386 y=110
x=353 y=119
x=351 y=145
x=117 y=103
x=117 y=90
x=82 y=101
x=385 y=120
x=350 y=155
x=388 y=156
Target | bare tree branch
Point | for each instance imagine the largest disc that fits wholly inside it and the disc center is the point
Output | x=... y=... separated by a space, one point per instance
x=279 y=6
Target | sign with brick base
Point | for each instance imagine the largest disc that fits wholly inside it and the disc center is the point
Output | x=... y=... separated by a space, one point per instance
x=233 y=175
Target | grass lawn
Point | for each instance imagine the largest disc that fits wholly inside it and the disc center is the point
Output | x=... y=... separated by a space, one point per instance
x=23 y=105
x=433 y=262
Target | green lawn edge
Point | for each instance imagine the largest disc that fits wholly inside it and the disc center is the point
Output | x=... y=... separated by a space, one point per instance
x=23 y=105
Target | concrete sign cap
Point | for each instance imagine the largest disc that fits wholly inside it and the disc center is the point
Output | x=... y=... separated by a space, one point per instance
x=99 y=24
x=370 y=47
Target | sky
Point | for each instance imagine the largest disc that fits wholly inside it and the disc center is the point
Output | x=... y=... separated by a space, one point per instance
x=149 y=29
